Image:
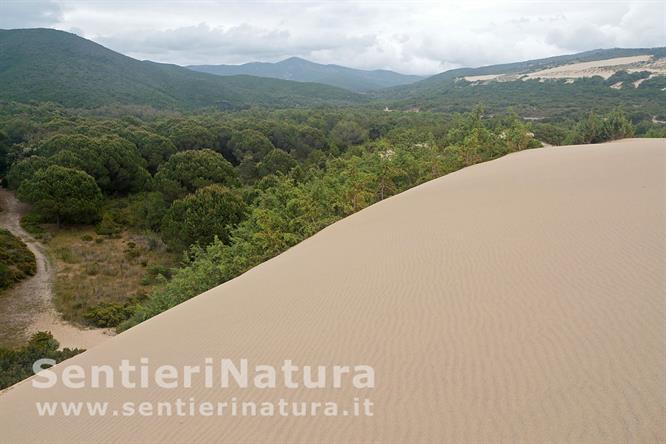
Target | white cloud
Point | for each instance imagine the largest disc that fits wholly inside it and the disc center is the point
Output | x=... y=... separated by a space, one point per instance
x=407 y=36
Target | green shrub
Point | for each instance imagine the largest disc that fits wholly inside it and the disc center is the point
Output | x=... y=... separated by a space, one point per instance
x=30 y=222
x=16 y=364
x=16 y=261
x=156 y=269
x=132 y=251
x=110 y=314
x=6 y=278
x=199 y=217
x=108 y=226
x=62 y=195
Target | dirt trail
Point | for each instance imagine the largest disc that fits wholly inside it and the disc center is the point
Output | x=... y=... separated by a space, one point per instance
x=28 y=307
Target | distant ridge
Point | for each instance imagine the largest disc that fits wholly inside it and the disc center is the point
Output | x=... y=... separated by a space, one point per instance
x=537 y=64
x=530 y=88
x=302 y=70
x=40 y=65
x=57 y=66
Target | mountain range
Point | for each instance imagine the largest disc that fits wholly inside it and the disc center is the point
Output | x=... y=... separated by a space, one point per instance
x=301 y=70
x=50 y=65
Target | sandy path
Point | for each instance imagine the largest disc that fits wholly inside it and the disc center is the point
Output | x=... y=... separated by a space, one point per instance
x=28 y=307
x=517 y=301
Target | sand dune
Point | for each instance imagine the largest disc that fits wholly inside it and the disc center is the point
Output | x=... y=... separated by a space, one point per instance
x=572 y=71
x=603 y=68
x=520 y=300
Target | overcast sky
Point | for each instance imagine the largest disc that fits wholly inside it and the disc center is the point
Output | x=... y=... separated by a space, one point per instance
x=417 y=37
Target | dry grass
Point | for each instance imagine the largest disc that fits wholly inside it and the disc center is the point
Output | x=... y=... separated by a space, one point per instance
x=92 y=269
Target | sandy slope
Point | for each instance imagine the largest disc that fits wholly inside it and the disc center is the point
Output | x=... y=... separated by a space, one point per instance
x=521 y=300
x=604 y=68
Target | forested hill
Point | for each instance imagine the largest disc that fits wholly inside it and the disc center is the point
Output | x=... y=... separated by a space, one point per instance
x=38 y=65
x=548 y=62
x=51 y=65
x=556 y=86
x=301 y=70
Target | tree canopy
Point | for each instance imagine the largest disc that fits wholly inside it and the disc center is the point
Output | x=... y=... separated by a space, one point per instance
x=198 y=218
x=63 y=195
x=187 y=171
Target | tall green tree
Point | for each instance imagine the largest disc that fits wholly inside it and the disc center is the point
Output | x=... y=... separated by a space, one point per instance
x=60 y=142
x=198 y=218
x=4 y=153
x=187 y=171
x=249 y=147
x=114 y=162
x=62 y=194
x=347 y=133
x=189 y=135
x=153 y=148
x=25 y=169
x=276 y=161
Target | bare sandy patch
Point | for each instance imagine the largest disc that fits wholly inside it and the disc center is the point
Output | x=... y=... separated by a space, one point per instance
x=482 y=78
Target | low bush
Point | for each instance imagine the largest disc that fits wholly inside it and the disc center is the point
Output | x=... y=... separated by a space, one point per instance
x=111 y=314
x=108 y=226
x=16 y=364
x=16 y=261
x=31 y=222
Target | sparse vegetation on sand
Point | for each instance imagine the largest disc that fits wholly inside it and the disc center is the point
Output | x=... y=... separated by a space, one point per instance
x=100 y=278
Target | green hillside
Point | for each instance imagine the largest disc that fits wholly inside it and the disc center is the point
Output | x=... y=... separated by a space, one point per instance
x=301 y=70
x=39 y=65
x=534 y=65
x=449 y=92
x=50 y=65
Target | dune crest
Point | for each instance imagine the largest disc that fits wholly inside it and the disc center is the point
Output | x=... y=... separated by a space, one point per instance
x=519 y=300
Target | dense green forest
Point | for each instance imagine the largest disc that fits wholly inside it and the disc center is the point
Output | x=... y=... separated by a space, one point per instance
x=533 y=98
x=228 y=190
x=448 y=91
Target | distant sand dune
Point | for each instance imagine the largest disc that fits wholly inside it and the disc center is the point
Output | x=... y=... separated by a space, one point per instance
x=520 y=300
x=572 y=71
x=604 y=68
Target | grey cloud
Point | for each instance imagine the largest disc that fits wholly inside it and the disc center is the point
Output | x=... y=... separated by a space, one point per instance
x=419 y=37
x=580 y=38
x=29 y=14
x=203 y=44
